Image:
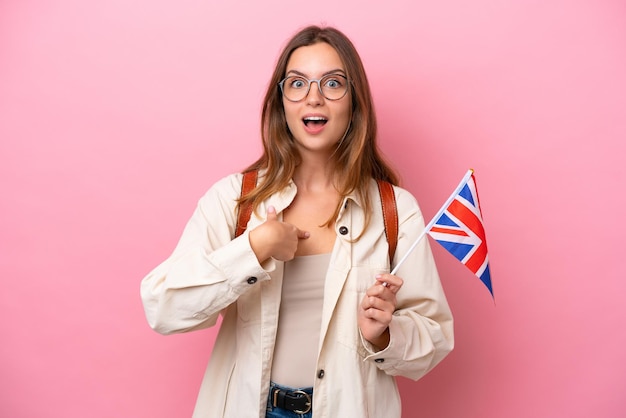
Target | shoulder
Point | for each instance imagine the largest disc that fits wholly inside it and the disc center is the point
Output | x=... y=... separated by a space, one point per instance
x=230 y=182
x=407 y=204
x=227 y=188
x=404 y=199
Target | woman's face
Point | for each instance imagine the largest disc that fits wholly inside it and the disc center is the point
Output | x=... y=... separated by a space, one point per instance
x=317 y=123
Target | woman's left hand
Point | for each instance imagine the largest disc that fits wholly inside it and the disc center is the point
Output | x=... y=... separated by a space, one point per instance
x=377 y=308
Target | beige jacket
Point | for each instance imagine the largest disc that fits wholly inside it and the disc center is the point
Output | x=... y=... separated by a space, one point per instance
x=210 y=273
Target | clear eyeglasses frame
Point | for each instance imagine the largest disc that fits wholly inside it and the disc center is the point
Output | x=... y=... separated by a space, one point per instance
x=332 y=86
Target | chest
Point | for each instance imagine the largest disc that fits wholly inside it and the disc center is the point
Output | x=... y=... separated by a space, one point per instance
x=314 y=214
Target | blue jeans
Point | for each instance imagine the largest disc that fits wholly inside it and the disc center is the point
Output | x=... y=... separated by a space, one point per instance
x=275 y=412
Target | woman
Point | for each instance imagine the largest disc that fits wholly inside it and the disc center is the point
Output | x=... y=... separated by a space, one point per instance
x=313 y=323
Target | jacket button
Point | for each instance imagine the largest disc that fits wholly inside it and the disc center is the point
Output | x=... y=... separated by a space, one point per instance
x=320 y=374
x=251 y=280
x=379 y=360
x=343 y=230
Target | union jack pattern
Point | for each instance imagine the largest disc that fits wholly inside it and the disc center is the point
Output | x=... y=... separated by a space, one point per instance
x=460 y=230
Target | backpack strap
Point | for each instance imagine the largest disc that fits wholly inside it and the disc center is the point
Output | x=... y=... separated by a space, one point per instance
x=387 y=199
x=245 y=210
x=390 y=215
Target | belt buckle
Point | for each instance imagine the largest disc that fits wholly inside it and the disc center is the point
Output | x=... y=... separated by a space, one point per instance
x=308 y=401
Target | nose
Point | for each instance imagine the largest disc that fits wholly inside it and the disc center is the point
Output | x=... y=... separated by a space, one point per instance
x=314 y=96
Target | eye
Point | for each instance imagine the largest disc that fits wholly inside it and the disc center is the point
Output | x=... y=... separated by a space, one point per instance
x=333 y=82
x=297 y=83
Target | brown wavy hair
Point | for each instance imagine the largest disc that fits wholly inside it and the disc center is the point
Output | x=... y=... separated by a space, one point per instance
x=357 y=159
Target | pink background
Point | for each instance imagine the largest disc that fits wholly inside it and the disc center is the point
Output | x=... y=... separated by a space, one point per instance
x=116 y=116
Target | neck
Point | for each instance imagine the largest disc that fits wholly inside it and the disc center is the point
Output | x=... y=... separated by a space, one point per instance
x=314 y=175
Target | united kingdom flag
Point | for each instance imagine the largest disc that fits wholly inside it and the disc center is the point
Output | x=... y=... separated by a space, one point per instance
x=459 y=229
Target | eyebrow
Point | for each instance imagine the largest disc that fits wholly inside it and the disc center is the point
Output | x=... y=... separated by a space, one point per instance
x=335 y=71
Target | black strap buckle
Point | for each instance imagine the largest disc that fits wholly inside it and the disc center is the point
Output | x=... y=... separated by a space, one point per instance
x=297 y=401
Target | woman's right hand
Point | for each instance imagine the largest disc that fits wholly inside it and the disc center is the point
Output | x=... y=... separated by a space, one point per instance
x=276 y=239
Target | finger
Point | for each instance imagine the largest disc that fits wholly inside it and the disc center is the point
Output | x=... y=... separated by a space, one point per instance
x=271 y=214
x=391 y=282
x=389 y=279
x=378 y=303
x=380 y=297
x=303 y=234
x=381 y=288
x=379 y=315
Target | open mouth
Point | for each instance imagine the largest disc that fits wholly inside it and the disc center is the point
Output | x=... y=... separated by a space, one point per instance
x=314 y=121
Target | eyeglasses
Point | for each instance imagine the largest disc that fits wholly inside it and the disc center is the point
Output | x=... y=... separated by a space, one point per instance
x=331 y=86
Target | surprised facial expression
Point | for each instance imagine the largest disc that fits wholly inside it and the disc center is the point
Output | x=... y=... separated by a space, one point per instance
x=316 y=122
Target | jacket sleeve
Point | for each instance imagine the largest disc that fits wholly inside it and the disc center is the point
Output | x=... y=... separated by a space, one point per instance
x=207 y=271
x=421 y=330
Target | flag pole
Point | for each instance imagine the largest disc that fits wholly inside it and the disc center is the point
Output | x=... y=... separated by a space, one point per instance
x=434 y=219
